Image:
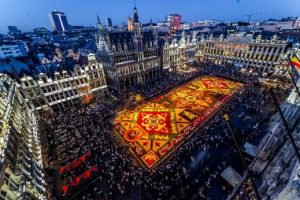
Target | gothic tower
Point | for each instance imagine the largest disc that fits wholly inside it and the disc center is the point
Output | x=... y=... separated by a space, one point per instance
x=137 y=30
x=100 y=37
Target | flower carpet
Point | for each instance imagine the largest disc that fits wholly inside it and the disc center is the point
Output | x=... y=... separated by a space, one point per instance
x=154 y=129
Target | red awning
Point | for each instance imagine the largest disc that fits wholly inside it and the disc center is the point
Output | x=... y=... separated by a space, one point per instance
x=61 y=170
x=65 y=188
x=76 y=163
x=86 y=174
x=83 y=158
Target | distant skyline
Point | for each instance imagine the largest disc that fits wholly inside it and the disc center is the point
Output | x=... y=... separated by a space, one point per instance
x=29 y=14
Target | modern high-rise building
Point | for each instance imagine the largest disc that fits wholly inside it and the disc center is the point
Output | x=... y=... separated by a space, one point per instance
x=59 y=21
x=109 y=22
x=175 y=21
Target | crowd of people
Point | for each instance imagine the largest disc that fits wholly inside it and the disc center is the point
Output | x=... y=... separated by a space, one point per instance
x=83 y=128
x=245 y=191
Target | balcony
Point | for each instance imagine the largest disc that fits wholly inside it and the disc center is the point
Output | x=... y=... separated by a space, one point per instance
x=13 y=177
x=10 y=194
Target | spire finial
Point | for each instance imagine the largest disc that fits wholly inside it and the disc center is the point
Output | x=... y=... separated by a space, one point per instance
x=135 y=15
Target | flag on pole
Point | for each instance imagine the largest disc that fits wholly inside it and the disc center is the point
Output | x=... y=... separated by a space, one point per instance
x=295 y=67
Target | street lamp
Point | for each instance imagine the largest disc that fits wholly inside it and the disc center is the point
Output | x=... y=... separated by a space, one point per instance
x=228 y=123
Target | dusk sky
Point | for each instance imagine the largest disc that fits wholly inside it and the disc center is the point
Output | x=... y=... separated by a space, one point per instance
x=28 y=14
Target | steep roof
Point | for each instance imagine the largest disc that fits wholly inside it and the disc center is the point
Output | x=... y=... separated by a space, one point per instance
x=239 y=40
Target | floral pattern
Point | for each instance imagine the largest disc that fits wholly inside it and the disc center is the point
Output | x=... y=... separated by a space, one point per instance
x=154 y=129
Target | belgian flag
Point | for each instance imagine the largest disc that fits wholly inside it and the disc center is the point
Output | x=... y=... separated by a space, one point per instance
x=295 y=67
x=295 y=61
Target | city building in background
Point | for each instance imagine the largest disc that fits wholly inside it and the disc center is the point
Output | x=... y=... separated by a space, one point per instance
x=175 y=21
x=41 y=32
x=251 y=55
x=13 y=30
x=21 y=169
x=108 y=22
x=13 y=49
x=59 y=21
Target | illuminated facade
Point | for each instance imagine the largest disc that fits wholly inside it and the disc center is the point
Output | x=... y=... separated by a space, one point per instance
x=251 y=55
x=21 y=170
x=130 y=24
x=65 y=89
x=175 y=21
x=177 y=54
x=129 y=57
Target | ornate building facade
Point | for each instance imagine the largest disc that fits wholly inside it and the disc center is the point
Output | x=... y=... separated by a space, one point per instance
x=251 y=55
x=130 y=57
x=65 y=88
x=21 y=169
x=178 y=53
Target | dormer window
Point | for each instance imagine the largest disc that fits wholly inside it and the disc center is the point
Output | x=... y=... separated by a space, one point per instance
x=113 y=47
x=125 y=46
x=44 y=79
x=119 y=47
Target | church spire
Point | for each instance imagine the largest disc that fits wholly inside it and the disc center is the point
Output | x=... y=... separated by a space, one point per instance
x=135 y=15
x=151 y=24
x=98 y=19
x=99 y=25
